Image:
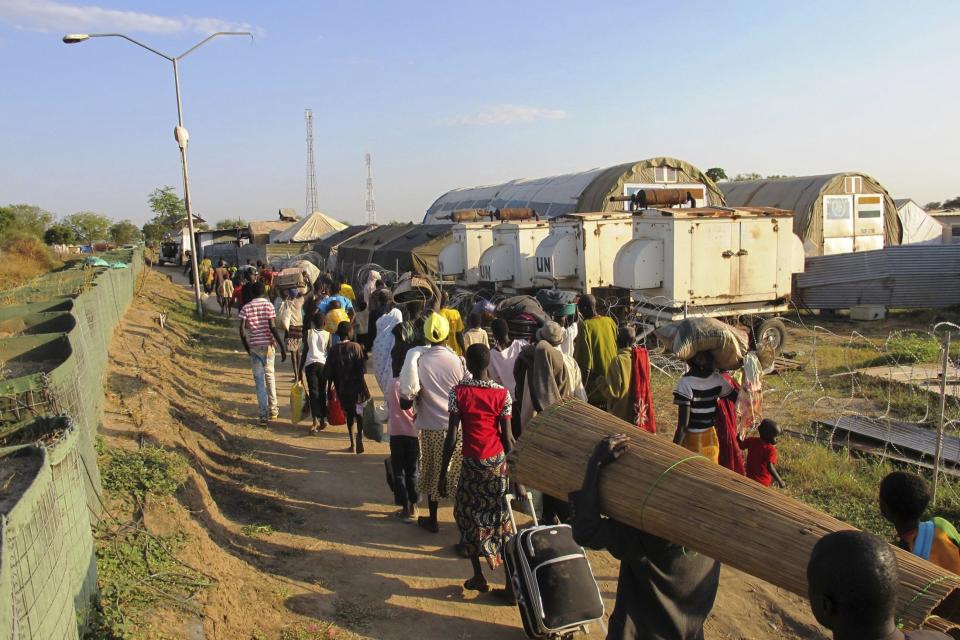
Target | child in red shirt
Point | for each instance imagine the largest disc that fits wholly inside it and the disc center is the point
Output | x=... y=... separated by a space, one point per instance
x=762 y=454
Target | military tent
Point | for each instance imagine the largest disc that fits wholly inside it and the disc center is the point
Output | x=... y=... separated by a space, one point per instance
x=588 y=191
x=311 y=228
x=361 y=250
x=833 y=213
x=417 y=250
x=328 y=246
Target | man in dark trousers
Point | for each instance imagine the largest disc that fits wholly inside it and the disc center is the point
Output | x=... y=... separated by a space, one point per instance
x=664 y=590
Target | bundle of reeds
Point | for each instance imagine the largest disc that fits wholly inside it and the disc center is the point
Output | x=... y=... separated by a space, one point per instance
x=665 y=490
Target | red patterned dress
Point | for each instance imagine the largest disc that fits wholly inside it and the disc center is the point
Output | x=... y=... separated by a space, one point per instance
x=480 y=504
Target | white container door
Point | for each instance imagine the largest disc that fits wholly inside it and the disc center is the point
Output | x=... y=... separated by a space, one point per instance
x=837 y=224
x=757 y=259
x=713 y=261
x=868 y=225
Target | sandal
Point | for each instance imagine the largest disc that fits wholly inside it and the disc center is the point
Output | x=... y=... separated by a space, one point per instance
x=424 y=523
x=476 y=583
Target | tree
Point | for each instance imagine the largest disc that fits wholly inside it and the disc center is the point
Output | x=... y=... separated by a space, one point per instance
x=740 y=177
x=231 y=223
x=59 y=234
x=776 y=176
x=88 y=226
x=124 y=232
x=24 y=219
x=168 y=209
x=167 y=206
x=716 y=174
x=952 y=203
x=932 y=206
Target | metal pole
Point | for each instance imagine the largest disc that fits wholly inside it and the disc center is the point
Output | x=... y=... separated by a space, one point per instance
x=943 y=406
x=181 y=138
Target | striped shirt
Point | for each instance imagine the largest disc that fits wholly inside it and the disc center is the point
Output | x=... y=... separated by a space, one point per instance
x=257 y=315
x=701 y=394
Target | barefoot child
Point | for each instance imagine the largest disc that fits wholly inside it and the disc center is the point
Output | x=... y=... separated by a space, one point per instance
x=903 y=500
x=314 y=357
x=762 y=454
x=481 y=407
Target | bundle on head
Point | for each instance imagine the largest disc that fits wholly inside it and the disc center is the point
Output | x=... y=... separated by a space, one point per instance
x=686 y=338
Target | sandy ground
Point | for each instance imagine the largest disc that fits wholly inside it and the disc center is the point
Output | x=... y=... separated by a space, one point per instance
x=336 y=565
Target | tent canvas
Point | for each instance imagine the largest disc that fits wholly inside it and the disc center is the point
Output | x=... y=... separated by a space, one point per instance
x=329 y=244
x=361 y=250
x=919 y=227
x=313 y=227
x=803 y=196
x=417 y=250
x=586 y=191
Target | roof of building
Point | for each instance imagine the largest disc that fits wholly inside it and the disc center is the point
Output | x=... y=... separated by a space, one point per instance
x=313 y=227
x=288 y=215
x=569 y=193
x=264 y=227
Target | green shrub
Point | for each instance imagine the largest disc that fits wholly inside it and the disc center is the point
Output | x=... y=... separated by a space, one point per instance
x=149 y=470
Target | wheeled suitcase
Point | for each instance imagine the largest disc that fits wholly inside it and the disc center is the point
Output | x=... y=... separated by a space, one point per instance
x=551 y=579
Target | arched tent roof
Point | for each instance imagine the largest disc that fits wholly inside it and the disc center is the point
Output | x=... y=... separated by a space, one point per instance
x=802 y=195
x=554 y=196
x=313 y=227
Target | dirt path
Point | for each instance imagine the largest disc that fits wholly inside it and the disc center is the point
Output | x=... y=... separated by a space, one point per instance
x=298 y=531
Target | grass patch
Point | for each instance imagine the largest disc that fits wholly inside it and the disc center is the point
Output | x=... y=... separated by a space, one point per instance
x=24 y=257
x=845 y=485
x=257 y=530
x=150 y=470
x=138 y=571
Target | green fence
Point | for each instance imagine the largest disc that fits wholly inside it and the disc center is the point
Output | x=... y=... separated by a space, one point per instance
x=53 y=356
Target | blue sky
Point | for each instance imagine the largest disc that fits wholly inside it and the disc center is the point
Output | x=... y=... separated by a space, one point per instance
x=448 y=94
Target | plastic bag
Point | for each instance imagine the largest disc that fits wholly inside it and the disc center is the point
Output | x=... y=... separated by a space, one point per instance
x=374 y=426
x=686 y=338
x=335 y=415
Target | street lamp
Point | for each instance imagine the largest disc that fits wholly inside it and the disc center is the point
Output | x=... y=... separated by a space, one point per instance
x=179 y=133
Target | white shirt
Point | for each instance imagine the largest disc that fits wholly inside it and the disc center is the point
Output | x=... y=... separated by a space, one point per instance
x=317 y=344
x=569 y=336
x=501 y=366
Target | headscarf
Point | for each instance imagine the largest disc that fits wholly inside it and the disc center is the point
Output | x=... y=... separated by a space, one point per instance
x=370 y=286
x=436 y=328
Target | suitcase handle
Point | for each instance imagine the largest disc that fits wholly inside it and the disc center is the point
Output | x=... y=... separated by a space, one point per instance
x=513 y=521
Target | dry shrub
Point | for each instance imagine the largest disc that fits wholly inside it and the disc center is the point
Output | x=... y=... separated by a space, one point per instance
x=23 y=257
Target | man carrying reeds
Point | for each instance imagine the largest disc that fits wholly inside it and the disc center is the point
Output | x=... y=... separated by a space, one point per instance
x=663 y=590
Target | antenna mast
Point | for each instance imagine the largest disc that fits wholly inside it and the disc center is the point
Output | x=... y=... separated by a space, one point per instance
x=371 y=206
x=312 y=204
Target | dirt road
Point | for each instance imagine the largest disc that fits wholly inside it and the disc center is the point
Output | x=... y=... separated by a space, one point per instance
x=297 y=530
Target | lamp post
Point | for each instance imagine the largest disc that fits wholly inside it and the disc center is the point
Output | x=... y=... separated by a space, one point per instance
x=179 y=132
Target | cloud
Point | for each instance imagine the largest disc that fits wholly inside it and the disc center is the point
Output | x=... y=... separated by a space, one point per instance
x=500 y=114
x=47 y=15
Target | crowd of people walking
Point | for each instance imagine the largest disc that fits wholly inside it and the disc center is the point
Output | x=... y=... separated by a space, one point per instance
x=457 y=395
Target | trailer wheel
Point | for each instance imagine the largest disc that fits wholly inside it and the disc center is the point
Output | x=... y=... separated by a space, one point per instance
x=771 y=332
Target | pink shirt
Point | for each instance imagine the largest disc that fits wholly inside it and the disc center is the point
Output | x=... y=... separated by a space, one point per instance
x=401 y=420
